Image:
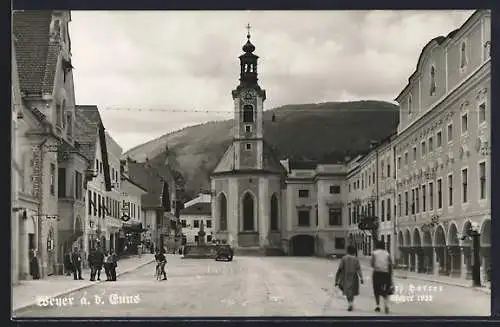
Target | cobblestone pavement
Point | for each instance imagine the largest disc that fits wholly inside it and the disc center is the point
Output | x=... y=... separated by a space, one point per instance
x=253 y=286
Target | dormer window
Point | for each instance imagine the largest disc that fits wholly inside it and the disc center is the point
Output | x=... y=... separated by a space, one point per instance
x=463 y=55
x=433 y=81
x=410 y=105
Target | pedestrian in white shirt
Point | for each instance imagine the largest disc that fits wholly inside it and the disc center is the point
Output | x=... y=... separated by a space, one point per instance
x=382 y=275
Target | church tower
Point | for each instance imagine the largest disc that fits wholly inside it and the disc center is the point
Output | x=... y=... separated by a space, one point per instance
x=248 y=112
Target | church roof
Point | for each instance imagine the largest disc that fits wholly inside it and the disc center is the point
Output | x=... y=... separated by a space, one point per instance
x=200 y=208
x=270 y=164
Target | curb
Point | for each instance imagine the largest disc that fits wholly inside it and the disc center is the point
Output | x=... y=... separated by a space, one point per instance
x=78 y=288
x=449 y=283
x=477 y=289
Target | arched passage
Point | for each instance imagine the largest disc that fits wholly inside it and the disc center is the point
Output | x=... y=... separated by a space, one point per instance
x=428 y=250
x=440 y=246
x=274 y=212
x=454 y=253
x=248 y=212
x=406 y=252
x=485 y=240
x=302 y=245
x=401 y=245
x=417 y=257
x=222 y=203
x=467 y=249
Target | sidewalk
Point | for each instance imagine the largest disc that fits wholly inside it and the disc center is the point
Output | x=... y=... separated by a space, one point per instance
x=398 y=273
x=25 y=294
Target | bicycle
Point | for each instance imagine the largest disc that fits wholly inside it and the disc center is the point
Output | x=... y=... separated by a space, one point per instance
x=158 y=271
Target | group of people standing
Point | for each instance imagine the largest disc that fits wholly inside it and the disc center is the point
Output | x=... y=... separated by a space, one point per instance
x=349 y=276
x=97 y=259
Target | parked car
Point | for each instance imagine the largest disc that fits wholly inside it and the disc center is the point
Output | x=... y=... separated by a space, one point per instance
x=224 y=252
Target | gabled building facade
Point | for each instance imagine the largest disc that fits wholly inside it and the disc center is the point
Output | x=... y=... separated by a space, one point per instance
x=43 y=54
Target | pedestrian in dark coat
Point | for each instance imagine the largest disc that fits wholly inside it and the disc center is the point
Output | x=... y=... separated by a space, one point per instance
x=98 y=261
x=113 y=264
x=76 y=260
x=108 y=261
x=34 y=268
x=349 y=276
x=68 y=267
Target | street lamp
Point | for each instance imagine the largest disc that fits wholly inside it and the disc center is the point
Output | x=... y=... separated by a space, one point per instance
x=474 y=233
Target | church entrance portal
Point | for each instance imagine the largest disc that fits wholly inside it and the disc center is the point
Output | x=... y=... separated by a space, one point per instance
x=248 y=213
x=302 y=245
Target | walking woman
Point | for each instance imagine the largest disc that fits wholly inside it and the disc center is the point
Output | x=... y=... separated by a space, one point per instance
x=382 y=275
x=349 y=276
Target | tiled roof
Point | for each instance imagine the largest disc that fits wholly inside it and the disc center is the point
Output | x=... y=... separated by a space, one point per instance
x=36 y=54
x=91 y=113
x=151 y=179
x=87 y=133
x=270 y=162
x=200 y=208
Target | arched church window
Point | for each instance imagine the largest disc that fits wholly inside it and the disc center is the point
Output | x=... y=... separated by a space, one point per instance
x=463 y=55
x=248 y=212
x=222 y=212
x=274 y=212
x=433 y=81
x=248 y=114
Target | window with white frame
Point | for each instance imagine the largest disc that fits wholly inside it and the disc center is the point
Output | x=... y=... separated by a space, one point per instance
x=423 y=148
x=414 y=153
x=430 y=144
x=450 y=132
x=482 y=112
x=482 y=180
x=406 y=203
x=410 y=105
x=417 y=199
x=463 y=55
x=439 y=139
x=465 y=123
x=424 y=198
x=464 y=185
x=431 y=195
x=440 y=193
x=432 y=83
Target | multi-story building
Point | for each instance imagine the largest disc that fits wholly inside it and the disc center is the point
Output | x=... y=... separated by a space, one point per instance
x=113 y=224
x=43 y=56
x=443 y=152
x=97 y=182
x=192 y=217
x=159 y=203
x=132 y=212
x=315 y=218
x=16 y=117
x=362 y=199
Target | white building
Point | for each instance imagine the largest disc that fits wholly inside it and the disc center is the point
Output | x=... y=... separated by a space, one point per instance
x=191 y=219
x=132 y=193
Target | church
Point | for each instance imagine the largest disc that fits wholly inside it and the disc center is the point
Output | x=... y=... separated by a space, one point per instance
x=248 y=181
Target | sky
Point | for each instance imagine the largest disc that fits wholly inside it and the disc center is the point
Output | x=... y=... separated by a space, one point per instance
x=154 y=72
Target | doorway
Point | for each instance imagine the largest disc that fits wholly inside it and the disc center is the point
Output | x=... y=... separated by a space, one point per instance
x=302 y=245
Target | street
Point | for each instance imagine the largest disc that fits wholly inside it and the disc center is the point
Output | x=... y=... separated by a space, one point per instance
x=251 y=286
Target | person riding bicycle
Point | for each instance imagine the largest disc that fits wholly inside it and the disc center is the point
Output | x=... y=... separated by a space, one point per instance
x=161 y=261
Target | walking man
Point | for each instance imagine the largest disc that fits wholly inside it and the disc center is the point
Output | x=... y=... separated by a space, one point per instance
x=349 y=276
x=76 y=260
x=382 y=275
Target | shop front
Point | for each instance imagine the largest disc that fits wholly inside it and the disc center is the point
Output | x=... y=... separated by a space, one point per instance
x=130 y=238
